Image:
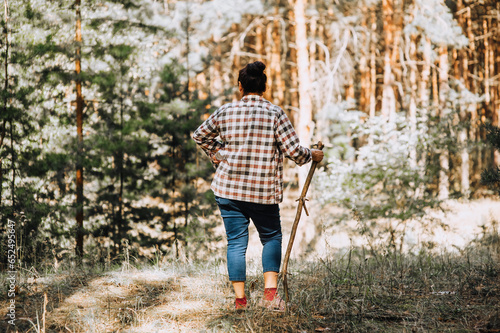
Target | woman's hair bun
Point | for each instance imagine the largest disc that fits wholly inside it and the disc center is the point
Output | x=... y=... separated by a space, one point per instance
x=252 y=77
x=256 y=68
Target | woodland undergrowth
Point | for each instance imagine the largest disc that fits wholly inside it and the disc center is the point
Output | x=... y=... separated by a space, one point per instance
x=361 y=290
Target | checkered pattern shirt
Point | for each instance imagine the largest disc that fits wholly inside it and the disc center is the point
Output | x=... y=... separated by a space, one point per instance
x=251 y=137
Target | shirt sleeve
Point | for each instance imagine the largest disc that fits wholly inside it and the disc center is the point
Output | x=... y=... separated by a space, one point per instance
x=289 y=142
x=206 y=135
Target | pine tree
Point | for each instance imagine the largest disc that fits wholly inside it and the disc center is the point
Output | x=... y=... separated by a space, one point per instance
x=23 y=196
x=491 y=176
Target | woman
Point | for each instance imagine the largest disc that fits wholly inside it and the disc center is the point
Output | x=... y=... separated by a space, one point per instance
x=246 y=141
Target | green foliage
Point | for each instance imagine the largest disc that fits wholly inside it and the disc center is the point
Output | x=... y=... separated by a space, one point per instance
x=492 y=135
x=491 y=176
x=170 y=76
x=141 y=168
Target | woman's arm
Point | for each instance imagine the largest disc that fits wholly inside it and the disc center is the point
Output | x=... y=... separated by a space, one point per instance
x=206 y=137
x=289 y=142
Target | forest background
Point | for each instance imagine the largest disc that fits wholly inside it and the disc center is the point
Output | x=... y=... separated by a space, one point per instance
x=99 y=100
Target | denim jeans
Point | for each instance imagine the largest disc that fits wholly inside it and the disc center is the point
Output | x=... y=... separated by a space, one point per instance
x=266 y=218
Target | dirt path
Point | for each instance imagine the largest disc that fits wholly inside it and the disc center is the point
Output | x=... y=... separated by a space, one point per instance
x=148 y=300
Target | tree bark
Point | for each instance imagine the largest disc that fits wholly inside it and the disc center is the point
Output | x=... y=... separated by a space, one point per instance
x=294 y=76
x=269 y=51
x=444 y=181
x=471 y=85
x=305 y=115
x=12 y=166
x=279 y=92
x=395 y=55
x=6 y=90
x=258 y=39
x=363 y=62
x=425 y=76
x=373 y=64
x=313 y=27
x=120 y=174
x=388 y=98
x=412 y=115
x=236 y=49
x=79 y=130
x=495 y=89
x=487 y=96
x=460 y=71
x=215 y=70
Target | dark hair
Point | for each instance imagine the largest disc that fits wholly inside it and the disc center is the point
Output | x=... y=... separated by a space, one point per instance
x=252 y=77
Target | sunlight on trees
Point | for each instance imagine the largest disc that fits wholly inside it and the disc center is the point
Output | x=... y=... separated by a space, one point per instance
x=396 y=90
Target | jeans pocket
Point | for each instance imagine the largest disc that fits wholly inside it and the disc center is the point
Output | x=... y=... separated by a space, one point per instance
x=221 y=201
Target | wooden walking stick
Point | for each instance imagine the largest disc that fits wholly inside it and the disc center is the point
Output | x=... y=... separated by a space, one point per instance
x=301 y=205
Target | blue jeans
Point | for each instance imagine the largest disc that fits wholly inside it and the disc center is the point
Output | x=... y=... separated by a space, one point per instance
x=266 y=218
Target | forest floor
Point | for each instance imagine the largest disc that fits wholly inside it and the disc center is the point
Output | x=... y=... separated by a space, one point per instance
x=358 y=290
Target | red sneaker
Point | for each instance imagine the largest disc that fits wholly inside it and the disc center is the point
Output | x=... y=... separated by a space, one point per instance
x=240 y=303
x=276 y=304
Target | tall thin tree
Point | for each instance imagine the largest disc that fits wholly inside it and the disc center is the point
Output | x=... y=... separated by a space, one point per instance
x=444 y=181
x=5 y=91
x=388 y=98
x=79 y=131
x=305 y=104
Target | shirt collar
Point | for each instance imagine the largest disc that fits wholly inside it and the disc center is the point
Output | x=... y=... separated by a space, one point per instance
x=252 y=98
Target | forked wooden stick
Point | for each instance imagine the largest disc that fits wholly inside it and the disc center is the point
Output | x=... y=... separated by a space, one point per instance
x=301 y=205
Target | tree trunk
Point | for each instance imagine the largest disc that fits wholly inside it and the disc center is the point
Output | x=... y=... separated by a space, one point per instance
x=435 y=93
x=121 y=232
x=349 y=92
x=471 y=85
x=460 y=70
x=373 y=64
x=294 y=75
x=188 y=49
x=305 y=115
x=425 y=76
x=269 y=51
x=363 y=62
x=444 y=181
x=13 y=167
x=388 y=98
x=464 y=155
x=398 y=27
x=258 y=39
x=412 y=115
x=6 y=90
x=487 y=96
x=312 y=47
x=495 y=89
x=79 y=130
x=215 y=71
x=235 y=51
x=279 y=92
x=464 y=113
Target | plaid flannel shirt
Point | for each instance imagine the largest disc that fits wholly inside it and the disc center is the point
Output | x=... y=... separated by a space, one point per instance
x=251 y=137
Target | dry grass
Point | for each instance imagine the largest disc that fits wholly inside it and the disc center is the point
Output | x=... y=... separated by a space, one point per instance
x=388 y=292
x=383 y=291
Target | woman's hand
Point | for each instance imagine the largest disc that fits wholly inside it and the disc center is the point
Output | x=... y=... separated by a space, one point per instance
x=317 y=155
x=217 y=158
